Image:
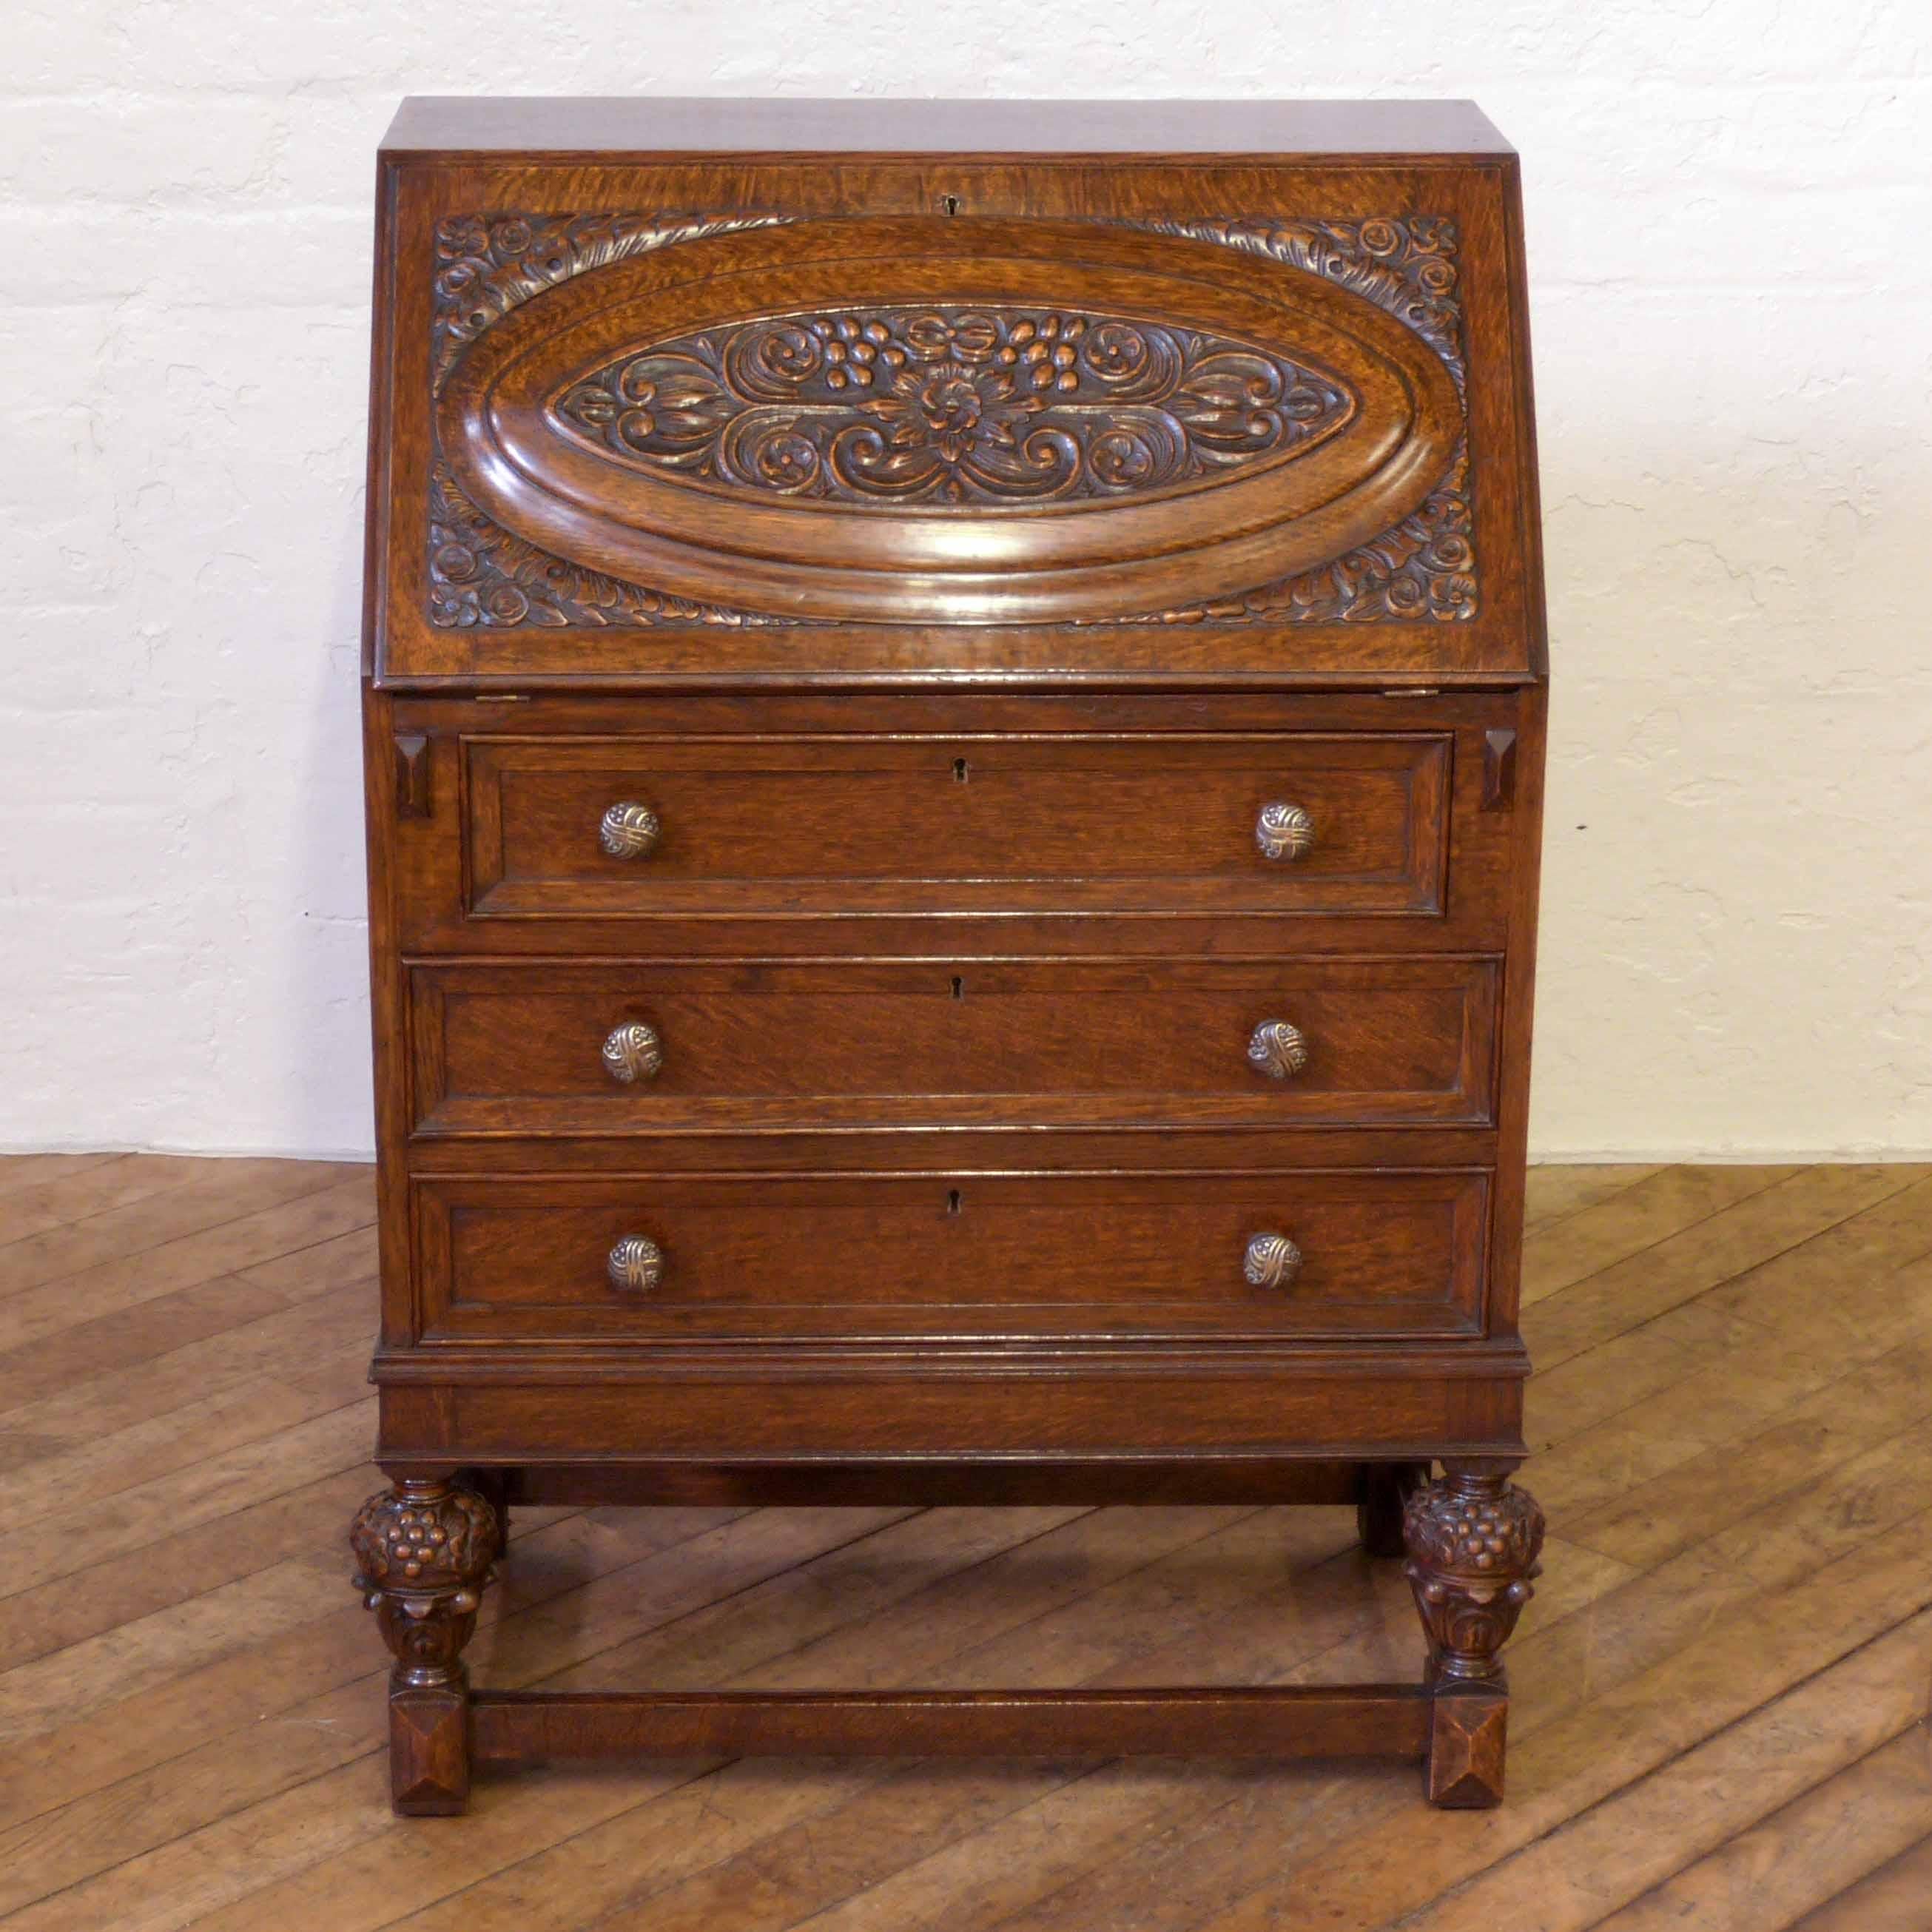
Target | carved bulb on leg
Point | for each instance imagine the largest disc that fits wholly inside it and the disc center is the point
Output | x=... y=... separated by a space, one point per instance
x=1473 y=1542
x=423 y=1552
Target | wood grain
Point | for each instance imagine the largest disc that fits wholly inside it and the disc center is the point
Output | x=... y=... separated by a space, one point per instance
x=516 y=1050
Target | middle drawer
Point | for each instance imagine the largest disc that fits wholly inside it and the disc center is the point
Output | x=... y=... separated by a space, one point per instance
x=650 y=1047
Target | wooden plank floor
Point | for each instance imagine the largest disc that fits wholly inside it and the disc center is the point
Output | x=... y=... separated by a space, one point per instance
x=1721 y=1689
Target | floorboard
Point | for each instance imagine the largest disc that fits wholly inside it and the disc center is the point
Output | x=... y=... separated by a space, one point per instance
x=1720 y=1710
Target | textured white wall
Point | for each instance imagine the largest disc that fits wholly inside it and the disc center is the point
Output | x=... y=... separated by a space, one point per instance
x=1728 y=207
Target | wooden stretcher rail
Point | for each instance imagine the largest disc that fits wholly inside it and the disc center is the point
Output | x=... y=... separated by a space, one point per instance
x=1379 y=1720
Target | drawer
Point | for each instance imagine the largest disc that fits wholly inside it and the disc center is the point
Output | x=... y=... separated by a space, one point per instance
x=786 y=826
x=685 y=1257
x=648 y=1048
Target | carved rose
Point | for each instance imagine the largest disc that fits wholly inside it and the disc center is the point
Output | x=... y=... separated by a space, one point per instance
x=950 y=408
x=458 y=236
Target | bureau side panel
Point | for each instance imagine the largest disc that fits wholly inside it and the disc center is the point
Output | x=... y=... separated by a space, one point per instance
x=396 y=771
x=1514 y=1035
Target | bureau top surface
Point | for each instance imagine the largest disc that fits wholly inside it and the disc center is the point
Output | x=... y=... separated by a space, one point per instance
x=430 y=124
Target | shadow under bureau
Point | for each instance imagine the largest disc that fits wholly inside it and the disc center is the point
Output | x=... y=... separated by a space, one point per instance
x=954 y=710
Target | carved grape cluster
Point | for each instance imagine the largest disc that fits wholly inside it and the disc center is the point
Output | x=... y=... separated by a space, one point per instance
x=1483 y=1532
x=424 y=1541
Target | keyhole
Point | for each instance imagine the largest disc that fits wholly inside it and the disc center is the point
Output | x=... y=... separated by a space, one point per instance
x=953 y=1201
x=961 y=771
x=950 y=203
x=958 y=987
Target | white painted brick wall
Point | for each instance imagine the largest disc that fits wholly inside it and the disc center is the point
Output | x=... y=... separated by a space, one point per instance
x=1729 y=209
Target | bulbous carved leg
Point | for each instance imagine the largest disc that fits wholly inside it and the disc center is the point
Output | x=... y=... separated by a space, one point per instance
x=1473 y=1539
x=423 y=1553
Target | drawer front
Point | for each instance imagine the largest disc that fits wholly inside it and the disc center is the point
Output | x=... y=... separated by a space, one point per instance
x=685 y=1258
x=784 y=826
x=642 y=1047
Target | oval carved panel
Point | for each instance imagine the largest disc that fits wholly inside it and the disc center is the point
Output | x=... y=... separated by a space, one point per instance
x=958 y=421
x=966 y=406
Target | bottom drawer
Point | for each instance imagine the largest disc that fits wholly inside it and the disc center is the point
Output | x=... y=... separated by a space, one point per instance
x=680 y=1257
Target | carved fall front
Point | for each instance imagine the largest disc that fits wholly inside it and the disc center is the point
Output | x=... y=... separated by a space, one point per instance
x=986 y=407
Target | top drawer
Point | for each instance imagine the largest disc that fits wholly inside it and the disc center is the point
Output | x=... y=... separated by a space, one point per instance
x=630 y=827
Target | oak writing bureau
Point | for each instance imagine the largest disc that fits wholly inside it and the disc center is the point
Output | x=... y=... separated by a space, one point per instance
x=955 y=705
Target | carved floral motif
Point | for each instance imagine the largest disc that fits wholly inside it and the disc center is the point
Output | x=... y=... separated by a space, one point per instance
x=1405 y=265
x=487 y=265
x=423 y=1536
x=990 y=405
x=483 y=577
x=1424 y=568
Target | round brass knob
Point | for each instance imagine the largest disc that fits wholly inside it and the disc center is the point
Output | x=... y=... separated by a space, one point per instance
x=1277 y=1049
x=628 y=830
x=1272 y=1261
x=1284 y=831
x=637 y=1265
x=633 y=1052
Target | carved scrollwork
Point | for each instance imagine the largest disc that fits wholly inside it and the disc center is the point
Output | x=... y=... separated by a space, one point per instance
x=1405 y=264
x=487 y=265
x=1425 y=567
x=986 y=405
x=483 y=577
x=1422 y=569
x=1473 y=1542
